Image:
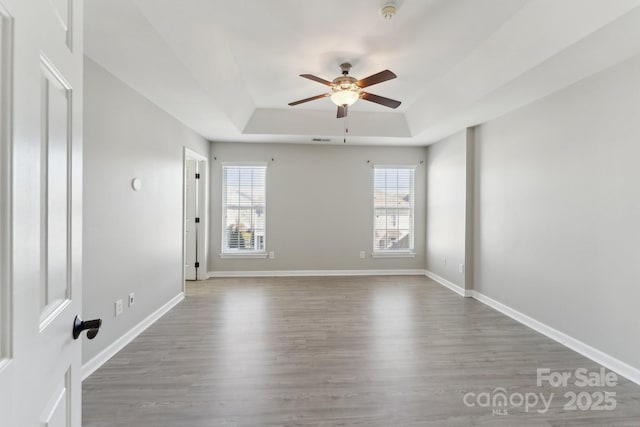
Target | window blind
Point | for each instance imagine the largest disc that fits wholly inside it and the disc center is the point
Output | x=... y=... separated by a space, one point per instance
x=393 y=204
x=243 y=209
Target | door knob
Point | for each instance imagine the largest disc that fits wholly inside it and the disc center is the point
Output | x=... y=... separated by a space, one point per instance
x=92 y=327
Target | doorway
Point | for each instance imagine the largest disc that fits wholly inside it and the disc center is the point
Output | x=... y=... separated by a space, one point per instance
x=195 y=216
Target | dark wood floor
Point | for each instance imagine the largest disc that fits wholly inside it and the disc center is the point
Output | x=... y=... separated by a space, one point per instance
x=357 y=351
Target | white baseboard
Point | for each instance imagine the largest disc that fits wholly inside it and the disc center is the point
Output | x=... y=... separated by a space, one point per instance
x=444 y=282
x=300 y=273
x=610 y=362
x=606 y=360
x=98 y=360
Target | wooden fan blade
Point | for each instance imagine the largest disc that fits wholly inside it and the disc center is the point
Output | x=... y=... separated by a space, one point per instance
x=316 y=79
x=387 y=102
x=342 y=111
x=380 y=77
x=313 y=98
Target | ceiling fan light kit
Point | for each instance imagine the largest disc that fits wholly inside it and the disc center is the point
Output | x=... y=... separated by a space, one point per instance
x=346 y=90
x=347 y=97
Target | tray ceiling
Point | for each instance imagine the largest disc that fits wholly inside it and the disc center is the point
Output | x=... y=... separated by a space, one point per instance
x=227 y=69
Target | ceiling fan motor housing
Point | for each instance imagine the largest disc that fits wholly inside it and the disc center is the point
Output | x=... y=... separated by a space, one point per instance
x=344 y=83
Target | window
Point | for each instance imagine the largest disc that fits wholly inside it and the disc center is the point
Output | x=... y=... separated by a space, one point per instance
x=393 y=191
x=243 y=209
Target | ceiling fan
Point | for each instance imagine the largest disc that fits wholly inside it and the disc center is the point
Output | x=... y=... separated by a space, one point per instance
x=345 y=90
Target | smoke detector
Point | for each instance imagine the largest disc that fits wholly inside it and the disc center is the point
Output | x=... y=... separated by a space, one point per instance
x=388 y=10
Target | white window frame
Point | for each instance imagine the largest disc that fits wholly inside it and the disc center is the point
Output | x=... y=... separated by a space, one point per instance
x=241 y=253
x=394 y=253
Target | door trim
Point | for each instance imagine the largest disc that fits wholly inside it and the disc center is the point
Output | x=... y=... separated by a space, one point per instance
x=6 y=185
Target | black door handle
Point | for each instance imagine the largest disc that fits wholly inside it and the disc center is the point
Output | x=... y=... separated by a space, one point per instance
x=93 y=326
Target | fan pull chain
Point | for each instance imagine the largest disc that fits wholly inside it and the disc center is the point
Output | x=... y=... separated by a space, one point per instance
x=346 y=129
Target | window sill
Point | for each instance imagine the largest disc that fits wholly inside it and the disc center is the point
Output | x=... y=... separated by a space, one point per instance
x=249 y=255
x=393 y=255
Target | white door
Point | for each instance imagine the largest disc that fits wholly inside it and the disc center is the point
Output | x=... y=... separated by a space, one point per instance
x=195 y=215
x=42 y=212
x=190 y=225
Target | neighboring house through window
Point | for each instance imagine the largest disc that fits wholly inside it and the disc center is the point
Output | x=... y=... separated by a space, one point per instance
x=243 y=209
x=393 y=205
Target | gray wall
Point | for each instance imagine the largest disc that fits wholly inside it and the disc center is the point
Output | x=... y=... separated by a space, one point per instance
x=557 y=204
x=319 y=205
x=558 y=201
x=132 y=240
x=446 y=212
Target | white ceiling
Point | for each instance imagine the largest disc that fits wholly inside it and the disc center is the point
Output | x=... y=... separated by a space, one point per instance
x=228 y=69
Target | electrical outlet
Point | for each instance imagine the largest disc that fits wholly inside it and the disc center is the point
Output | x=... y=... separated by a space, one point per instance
x=461 y=268
x=118 y=307
x=132 y=299
x=444 y=260
x=272 y=255
x=362 y=254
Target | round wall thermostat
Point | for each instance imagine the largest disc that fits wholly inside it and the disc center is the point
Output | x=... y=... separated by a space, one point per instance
x=136 y=184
